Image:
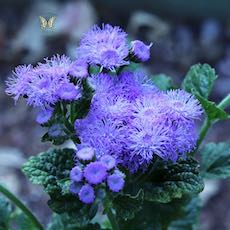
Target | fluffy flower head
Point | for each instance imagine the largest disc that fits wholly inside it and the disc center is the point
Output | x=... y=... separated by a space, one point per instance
x=85 y=153
x=105 y=135
x=44 y=115
x=79 y=69
x=86 y=194
x=149 y=139
x=108 y=161
x=95 y=172
x=140 y=50
x=182 y=105
x=106 y=46
x=75 y=187
x=18 y=83
x=115 y=182
x=76 y=174
x=56 y=65
x=69 y=91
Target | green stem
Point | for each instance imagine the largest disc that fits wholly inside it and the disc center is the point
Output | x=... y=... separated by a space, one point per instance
x=207 y=124
x=225 y=102
x=143 y=177
x=21 y=206
x=112 y=219
x=71 y=116
x=164 y=227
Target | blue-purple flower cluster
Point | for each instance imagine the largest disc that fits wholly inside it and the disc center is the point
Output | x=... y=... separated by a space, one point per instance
x=91 y=173
x=133 y=121
x=130 y=120
x=48 y=82
x=108 y=47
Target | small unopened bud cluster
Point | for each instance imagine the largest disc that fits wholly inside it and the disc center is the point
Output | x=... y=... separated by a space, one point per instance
x=91 y=173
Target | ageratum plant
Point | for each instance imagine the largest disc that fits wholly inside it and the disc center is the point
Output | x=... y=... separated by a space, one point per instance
x=135 y=137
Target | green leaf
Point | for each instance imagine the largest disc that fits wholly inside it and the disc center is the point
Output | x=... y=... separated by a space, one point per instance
x=190 y=218
x=70 y=204
x=81 y=107
x=23 y=222
x=200 y=78
x=50 y=168
x=158 y=216
x=225 y=103
x=76 y=211
x=127 y=205
x=65 y=222
x=5 y=211
x=212 y=110
x=59 y=140
x=174 y=181
x=162 y=81
x=216 y=160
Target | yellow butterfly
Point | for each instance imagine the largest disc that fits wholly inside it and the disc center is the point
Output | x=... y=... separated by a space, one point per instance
x=47 y=24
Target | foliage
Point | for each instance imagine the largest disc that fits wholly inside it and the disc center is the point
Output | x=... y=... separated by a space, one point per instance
x=216 y=160
x=11 y=217
x=5 y=212
x=162 y=81
x=51 y=169
x=178 y=214
x=159 y=189
x=171 y=181
x=213 y=112
x=200 y=79
x=127 y=205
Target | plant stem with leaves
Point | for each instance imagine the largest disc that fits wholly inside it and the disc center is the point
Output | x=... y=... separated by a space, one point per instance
x=112 y=219
x=21 y=206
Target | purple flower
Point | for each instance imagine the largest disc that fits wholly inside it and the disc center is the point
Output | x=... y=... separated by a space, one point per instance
x=44 y=115
x=147 y=139
x=108 y=161
x=115 y=182
x=150 y=108
x=184 y=138
x=56 y=130
x=132 y=162
x=79 y=69
x=86 y=153
x=95 y=172
x=113 y=107
x=42 y=90
x=106 y=46
x=44 y=84
x=127 y=85
x=132 y=120
x=76 y=174
x=140 y=51
x=103 y=83
x=18 y=83
x=56 y=65
x=105 y=135
x=130 y=85
x=118 y=172
x=86 y=194
x=182 y=105
x=69 y=91
x=52 y=81
x=75 y=187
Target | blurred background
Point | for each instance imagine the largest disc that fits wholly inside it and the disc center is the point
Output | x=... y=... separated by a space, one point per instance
x=183 y=33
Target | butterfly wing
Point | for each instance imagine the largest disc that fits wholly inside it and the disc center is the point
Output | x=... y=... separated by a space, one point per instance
x=43 y=22
x=51 y=22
